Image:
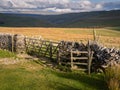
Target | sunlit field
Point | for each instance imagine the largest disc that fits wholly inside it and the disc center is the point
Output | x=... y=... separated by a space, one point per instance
x=106 y=36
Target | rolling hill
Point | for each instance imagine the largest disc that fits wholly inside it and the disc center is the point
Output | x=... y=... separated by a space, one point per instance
x=16 y=20
x=83 y=19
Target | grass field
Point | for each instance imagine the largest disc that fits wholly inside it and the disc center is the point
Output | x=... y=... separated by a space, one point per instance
x=21 y=74
x=107 y=36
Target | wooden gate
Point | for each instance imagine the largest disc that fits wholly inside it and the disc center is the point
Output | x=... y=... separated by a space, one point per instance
x=77 y=60
x=42 y=48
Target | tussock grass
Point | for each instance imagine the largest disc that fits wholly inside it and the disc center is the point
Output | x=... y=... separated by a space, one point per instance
x=112 y=77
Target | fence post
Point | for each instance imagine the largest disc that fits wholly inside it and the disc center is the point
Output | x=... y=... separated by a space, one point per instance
x=12 y=42
x=94 y=35
x=58 y=56
x=71 y=56
x=71 y=59
x=88 y=57
x=50 y=50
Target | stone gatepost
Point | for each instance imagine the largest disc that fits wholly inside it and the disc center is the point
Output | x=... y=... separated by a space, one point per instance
x=5 y=41
x=19 y=43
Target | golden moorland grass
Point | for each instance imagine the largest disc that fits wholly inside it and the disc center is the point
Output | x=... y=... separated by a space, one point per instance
x=112 y=77
x=106 y=36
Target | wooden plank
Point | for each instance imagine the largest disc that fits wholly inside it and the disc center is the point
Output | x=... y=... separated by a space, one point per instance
x=56 y=48
x=45 y=44
x=58 y=57
x=55 y=42
x=80 y=69
x=50 y=53
x=40 y=47
x=47 y=49
x=77 y=63
x=65 y=63
x=46 y=40
x=80 y=58
x=66 y=58
x=80 y=52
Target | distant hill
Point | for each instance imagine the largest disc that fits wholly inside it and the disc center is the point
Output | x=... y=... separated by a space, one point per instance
x=83 y=19
x=17 y=20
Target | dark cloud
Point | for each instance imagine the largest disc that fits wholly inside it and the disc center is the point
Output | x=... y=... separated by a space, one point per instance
x=111 y=5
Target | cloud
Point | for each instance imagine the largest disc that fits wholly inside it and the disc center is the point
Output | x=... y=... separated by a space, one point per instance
x=62 y=6
x=111 y=5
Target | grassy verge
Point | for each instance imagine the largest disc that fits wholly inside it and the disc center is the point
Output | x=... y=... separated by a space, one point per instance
x=6 y=54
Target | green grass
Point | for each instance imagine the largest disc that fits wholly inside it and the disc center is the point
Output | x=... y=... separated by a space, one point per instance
x=33 y=76
x=102 y=32
x=114 y=28
x=6 y=54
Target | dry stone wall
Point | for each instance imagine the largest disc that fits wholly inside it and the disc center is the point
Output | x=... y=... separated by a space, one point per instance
x=12 y=42
x=102 y=55
x=105 y=56
x=17 y=43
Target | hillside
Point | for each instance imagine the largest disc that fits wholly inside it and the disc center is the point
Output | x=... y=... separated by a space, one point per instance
x=83 y=19
x=14 y=20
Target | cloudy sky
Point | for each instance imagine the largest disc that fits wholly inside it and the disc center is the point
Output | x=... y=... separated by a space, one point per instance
x=57 y=6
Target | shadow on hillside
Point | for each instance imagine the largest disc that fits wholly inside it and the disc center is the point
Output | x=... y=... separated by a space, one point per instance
x=61 y=86
x=115 y=28
x=94 y=81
